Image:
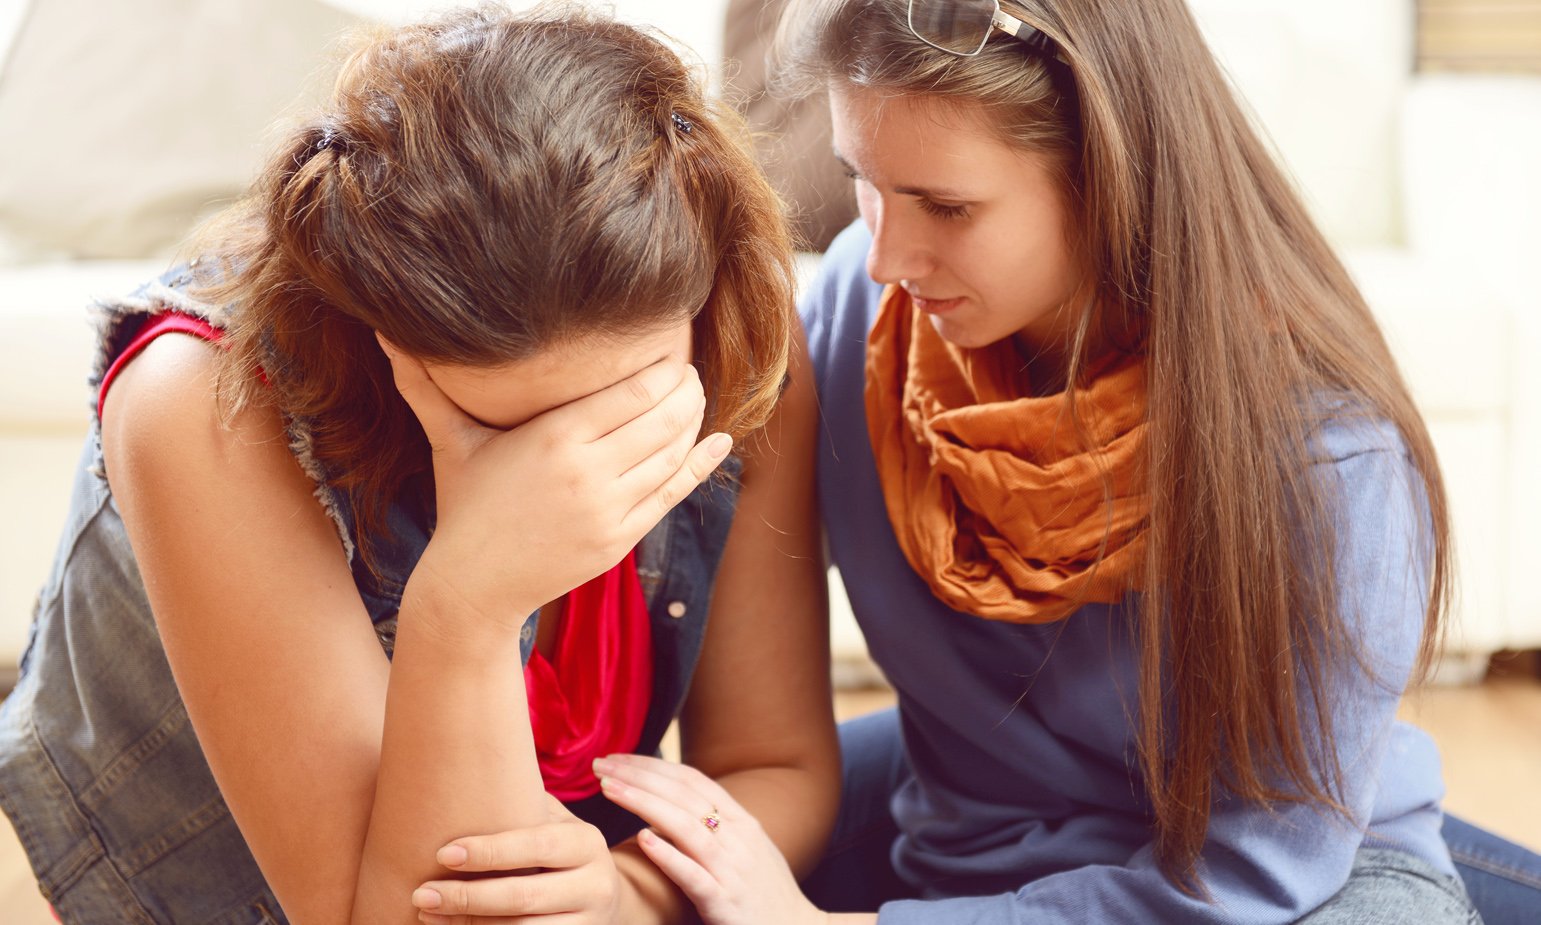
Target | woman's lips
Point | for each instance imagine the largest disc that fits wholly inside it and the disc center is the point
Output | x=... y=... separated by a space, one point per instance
x=936 y=306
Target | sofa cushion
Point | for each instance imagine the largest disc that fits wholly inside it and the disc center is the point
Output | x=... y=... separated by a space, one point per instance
x=125 y=122
x=47 y=337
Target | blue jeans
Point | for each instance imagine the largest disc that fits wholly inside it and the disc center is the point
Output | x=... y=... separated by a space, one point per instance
x=1502 y=878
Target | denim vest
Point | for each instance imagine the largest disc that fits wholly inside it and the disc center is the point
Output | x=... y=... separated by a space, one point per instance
x=100 y=772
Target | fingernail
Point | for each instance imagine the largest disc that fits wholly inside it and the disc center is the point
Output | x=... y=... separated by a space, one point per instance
x=452 y=855
x=603 y=766
x=719 y=445
x=424 y=898
x=611 y=785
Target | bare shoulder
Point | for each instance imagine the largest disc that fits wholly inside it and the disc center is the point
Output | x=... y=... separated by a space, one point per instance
x=162 y=412
x=197 y=489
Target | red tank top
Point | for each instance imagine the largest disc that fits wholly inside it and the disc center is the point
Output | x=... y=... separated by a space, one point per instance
x=591 y=698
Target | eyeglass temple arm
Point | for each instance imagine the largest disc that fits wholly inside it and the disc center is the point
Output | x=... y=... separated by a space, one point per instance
x=1031 y=35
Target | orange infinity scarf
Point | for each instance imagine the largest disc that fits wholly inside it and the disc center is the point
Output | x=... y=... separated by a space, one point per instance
x=993 y=498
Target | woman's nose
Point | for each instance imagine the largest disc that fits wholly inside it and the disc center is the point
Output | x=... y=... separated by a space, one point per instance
x=899 y=250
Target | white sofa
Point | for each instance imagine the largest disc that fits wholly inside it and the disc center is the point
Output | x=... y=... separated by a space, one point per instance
x=1427 y=185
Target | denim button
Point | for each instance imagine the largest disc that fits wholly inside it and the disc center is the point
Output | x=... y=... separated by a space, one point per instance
x=676 y=609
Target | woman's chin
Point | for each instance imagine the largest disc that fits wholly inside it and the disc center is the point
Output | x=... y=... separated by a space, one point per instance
x=960 y=333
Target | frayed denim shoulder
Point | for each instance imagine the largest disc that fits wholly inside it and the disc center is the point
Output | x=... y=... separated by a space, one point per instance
x=118 y=320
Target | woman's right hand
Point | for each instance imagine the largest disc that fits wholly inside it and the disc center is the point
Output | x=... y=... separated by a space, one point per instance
x=526 y=515
x=561 y=869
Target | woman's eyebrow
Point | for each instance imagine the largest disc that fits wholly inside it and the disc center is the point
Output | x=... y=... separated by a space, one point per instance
x=926 y=192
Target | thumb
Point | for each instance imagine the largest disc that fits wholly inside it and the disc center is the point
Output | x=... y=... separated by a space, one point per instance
x=443 y=422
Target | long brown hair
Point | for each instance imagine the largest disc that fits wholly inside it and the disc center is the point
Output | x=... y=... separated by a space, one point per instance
x=479 y=187
x=1253 y=334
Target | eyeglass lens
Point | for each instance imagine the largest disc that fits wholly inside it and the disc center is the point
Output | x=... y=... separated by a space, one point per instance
x=958 y=26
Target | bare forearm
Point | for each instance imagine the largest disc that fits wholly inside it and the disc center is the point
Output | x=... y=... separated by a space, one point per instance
x=457 y=739
x=796 y=807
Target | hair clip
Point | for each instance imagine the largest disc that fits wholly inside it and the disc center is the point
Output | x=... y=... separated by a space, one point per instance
x=681 y=123
x=330 y=140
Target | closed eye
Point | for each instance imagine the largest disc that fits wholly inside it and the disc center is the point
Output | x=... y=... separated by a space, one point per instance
x=943 y=211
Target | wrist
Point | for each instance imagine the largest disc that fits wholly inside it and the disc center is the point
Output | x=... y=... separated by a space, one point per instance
x=647 y=897
x=438 y=574
x=438 y=611
x=628 y=902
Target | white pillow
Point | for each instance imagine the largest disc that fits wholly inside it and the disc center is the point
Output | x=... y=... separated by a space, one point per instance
x=124 y=123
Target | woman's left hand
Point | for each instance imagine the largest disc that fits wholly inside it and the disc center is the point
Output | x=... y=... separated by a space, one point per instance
x=710 y=846
x=562 y=868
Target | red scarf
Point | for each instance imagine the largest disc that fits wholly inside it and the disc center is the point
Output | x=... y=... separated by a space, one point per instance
x=592 y=698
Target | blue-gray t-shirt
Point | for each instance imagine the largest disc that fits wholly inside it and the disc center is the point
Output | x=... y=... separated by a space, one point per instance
x=1025 y=802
